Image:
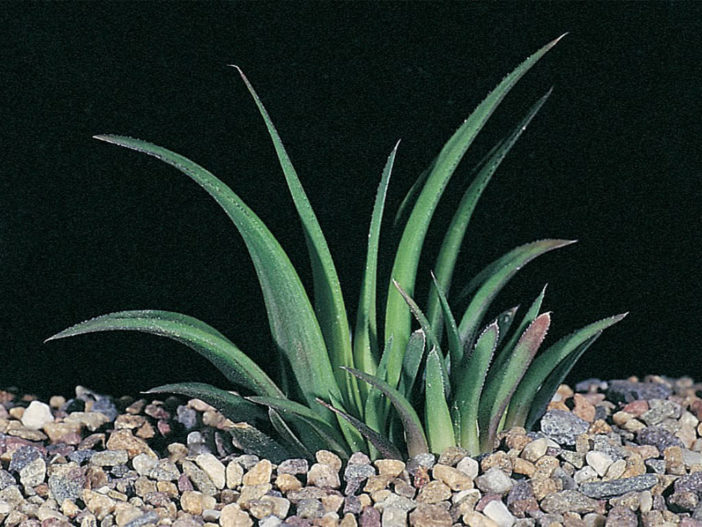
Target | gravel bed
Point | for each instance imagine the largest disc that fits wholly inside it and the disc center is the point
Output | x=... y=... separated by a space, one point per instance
x=613 y=453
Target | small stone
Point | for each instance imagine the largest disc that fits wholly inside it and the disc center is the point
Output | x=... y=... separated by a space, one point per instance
x=233 y=516
x=324 y=476
x=621 y=517
x=213 y=468
x=434 y=492
x=192 y=502
x=563 y=427
x=599 y=461
x=33 y=473
x=430 y=515
x=37 y=415
x=287 y=483
x=454 y=478
x=452 y=455
x=144 y=464
x=657 y=436
x=568 y=501
x=91 y=420
x=293 y=466
x=498 y=512
x=469 y=467
x=370 y=517
x=389 y=467
x=234 y=474
x=534 y=450
x=358 y=472
x=199 y=478
x=494 y=481
x=165 y=470
x=109 y=458
x=310 y=508
x=259 y=474
x=124 y=440
x=329 y=458
x=617 y=487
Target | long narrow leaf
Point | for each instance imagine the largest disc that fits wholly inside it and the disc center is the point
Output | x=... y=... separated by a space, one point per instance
x=419 y=315
x=496 y=396
x=453 y=239
x=506 y=351
x=553 y=381
x=437 y=416
x=414 y=434
x=330 y=435
x=454 y=340
x=505 y=320
x=288 y=436
x=293 y=324
x=329 y=301
x=407 y=257
x=233 y=406
x=252 y=441
x=470 y=376
x=497 y=279
x=546 y=362
x=386 y=449
x=411 y=362
x=195 y=334
x=365 y=343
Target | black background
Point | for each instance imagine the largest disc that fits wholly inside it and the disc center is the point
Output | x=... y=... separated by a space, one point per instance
x=88 y=228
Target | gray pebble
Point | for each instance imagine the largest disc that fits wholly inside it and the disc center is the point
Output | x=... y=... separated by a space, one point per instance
x=617 y=487
x=293 y=466
x=657 y=436
x=22 y=457
x=563 y=427
x=310 y=508
x=186 y=416
x=627 y=391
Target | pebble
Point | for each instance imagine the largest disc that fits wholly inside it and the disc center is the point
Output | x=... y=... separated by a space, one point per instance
x=37 y=415
x=628 y=453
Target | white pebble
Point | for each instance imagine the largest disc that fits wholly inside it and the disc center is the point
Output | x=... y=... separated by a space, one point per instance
x=599 y=461
x=37 y=415
x=499 y=513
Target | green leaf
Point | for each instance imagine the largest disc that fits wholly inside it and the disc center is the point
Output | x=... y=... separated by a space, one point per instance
x=553 y=381
x=252 y=441
x=365 y=344
x=386 y=449
x=414 y=435
x=291 y=441
x=470 y=376
x=497 y=395
x=329 y=301
x=417 y=312
x=329 y=436
x=504 y=321
x=292 y=320
x=437 y=416
x=546 y=362
x=506 y=352
x=232 y=405
x=454 y=340
x=411 y=362
x=453 y=239
x=195 y=334
x=404 y=269
x=496 y=275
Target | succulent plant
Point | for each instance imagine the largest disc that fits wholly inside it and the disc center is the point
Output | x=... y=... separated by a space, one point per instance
x=381 y=388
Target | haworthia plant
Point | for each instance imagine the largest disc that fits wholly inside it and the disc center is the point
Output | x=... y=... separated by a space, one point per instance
x=458 y=380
